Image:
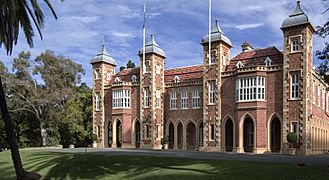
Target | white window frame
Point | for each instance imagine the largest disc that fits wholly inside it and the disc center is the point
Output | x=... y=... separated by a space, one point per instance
x=327 y=102
x=212 y=92
x=176 y=79
x=147 y=66
x=158 y=69
x=121 y=98
x=295 y=42
x=147 y=97
x=98 y=101
x=173 y=100
x=157 y=99
x=294 y=85
x=184 y=99
x=323 y=98
x=319 y=95
x=224 y=59
x=250 y=89
x=268 y=61
x=108 y=76
x=239 y=65
x=196 y=98
x=213 y=57
x=97 y=74
x=292 y=127
x=313 y=92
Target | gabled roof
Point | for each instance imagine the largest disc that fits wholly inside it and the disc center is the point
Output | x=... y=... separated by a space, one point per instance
x=126 y=74
x=185 y=74
x=256 y=57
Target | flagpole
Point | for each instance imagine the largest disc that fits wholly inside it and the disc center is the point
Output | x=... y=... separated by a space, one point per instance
x=144 y=34
x=209 y=26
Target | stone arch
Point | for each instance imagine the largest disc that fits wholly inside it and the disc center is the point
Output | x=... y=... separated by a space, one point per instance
x=109 y=133
x=200 y=132
x=191 y=130
x=180 y=134
x=228 y=143
x=242 y=132
x=117 y=136
x=136 y=133
x=273 y=132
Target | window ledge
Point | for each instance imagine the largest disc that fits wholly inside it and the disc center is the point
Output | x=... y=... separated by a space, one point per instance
x=118 y=108
x=211 y=104
x=251 y=101
x=295 y=52
x=295 y=99
x=173 y=109
x=147 y=107
x=196 y=107
x=184 y=108
x=98 y=110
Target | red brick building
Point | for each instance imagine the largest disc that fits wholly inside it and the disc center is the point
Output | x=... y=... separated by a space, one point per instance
x=248 y=103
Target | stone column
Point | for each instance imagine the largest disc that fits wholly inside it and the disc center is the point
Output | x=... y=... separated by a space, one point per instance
x=175 y=137
x=114 y=135
x=184 y=137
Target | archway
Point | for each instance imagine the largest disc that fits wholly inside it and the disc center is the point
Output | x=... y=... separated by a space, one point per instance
x=201 y=134
x=180 y=136
x=110 y=134
x=229 y=135
x=248 y=135
x=275 y=136
x=171 y=135
x=119 y=134
x=191 y=136
x=137 y=134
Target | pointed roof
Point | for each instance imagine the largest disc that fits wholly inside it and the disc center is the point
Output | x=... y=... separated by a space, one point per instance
x=216 y=35
x=152 y=47
x=103 y=56
x=297 y=17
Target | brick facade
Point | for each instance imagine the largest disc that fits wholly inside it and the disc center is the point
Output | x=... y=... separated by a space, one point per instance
x=254 y=104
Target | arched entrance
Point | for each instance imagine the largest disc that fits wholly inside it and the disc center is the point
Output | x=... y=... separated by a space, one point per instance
x=180 y=135
x=110 y=134
x=119 y=134
x=191 y=136
x=137 y=134
x=248 y=135
x=201 y=134
x=229 y=135
x=275 y=136
x=171 y=135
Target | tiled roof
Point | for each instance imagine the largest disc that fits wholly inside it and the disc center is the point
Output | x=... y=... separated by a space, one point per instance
x=126 y=74
x=185 y=74
x=256 y=57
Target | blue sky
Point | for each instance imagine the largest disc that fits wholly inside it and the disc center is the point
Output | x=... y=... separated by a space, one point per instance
x=178 y=26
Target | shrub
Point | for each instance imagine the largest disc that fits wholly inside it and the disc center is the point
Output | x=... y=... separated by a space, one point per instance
x=292 y=138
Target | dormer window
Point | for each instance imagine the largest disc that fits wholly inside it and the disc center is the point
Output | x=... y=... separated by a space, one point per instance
x=117 y=80
x=134 y=79
x=176 y=79
x=295 y=43
x=108 y=76
x=97 y=74
x=268 y=61
x=213 y=57
x=239 y=65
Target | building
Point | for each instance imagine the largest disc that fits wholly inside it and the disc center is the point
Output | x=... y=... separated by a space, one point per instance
x=248 y=103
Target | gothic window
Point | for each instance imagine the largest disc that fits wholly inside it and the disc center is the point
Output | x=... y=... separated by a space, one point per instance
x=147 y=66
x=212 y=92
x=323 y=98
x=117 y=80
x=97 y=74
x=134 y=79
x=158 y=69
x=319 y=95
x=268 y=61
x=97 y=101
x=327 y=102
x=212 y=131
x=250 y=89
x=224 y=60
x=239 y=65
x=108 y=76
x=173 y=100
x=147 y=97
x=213 y=57
x=184 y=95
x=294 y=127
x=294 y=79
x=157 y=101
x=313 y=91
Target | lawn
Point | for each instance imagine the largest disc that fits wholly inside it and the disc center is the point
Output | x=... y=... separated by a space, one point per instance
x=98 y=166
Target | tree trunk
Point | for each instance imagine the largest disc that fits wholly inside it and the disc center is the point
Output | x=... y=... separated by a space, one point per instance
x=44 y=134
x=21 y=174
x=11 y=135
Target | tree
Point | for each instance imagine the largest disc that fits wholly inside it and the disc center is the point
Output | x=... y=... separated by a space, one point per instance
x=122 y=68
x=130 y=64
x=323 y=31
x=15 y=15
x=60 y=75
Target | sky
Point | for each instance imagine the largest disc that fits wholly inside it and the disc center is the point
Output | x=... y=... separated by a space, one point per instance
x=178 y=26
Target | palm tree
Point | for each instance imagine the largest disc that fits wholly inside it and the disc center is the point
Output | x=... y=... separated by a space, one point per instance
x=16 y=15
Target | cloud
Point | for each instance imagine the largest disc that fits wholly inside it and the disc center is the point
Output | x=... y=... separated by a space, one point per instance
x=244 y=26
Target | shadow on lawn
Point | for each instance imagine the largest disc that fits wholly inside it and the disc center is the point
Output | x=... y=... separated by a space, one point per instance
x=94 y=166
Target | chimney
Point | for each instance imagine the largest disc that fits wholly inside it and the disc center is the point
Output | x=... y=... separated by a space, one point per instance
x=246 y=46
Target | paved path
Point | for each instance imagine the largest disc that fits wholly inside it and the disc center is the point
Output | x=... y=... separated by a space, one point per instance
x=308 y=160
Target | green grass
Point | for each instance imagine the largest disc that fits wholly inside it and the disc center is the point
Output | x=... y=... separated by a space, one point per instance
x=97 y=166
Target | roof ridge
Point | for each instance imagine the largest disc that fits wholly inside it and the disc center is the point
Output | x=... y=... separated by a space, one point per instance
x=184 y=67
